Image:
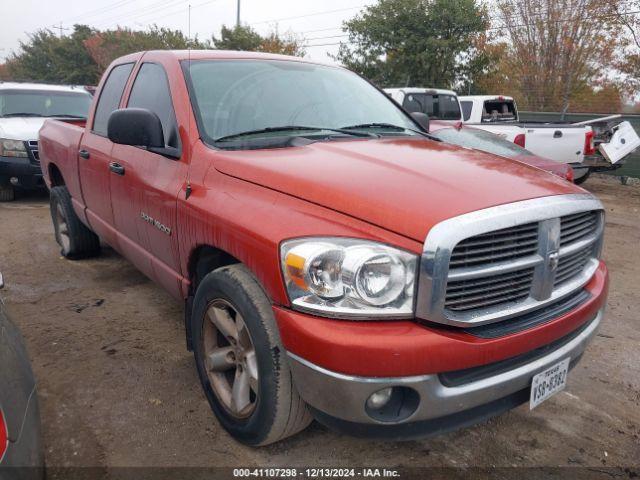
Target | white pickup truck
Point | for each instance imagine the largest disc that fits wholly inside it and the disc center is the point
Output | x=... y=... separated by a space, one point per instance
x=23 y=109
x=437 y=103
x=573 y=143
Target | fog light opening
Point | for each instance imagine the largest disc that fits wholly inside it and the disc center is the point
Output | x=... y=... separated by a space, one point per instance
x=392 y=404
x=379 y=399
x=14 y=180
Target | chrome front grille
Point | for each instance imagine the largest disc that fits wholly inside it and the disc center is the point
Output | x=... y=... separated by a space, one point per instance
x=486 y=291
x=498 y=246
x=571 y=265
x=494 y=264
x=577 y=226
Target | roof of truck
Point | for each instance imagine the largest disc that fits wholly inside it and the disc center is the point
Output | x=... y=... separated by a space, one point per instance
x=42 y=86
x=484 y=98
x=215 y=54
x=433 y=91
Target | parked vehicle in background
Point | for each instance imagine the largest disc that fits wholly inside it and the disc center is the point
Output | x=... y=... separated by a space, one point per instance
x=23 y=109
x=470 y=137
x=573 y=143
x=437 y=103
x=336 y=262
x=20 y=430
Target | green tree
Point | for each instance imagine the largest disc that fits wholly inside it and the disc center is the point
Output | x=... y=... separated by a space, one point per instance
x=104 y=47
x=244 y=37
x=415 y=42
x=238 y=38
x=48 y=58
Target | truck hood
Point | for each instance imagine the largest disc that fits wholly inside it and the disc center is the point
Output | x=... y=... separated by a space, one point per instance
x=405 y=185
x=20 y=128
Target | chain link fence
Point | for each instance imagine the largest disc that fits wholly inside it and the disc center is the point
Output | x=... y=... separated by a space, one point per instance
x=631 y=167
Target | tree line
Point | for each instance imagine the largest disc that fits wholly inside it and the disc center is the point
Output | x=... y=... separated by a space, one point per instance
x=552 y=55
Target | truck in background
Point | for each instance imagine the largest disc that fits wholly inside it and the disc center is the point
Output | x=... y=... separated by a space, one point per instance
x=437 y=103
x=586 y=149
x=23 y=109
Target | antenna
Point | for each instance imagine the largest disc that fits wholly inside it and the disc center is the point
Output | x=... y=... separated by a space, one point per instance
x=187 y=192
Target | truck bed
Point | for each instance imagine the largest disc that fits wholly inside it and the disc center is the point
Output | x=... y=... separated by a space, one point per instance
x=58 y=143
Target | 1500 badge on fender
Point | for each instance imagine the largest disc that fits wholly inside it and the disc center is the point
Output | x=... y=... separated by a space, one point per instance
x=163 y=228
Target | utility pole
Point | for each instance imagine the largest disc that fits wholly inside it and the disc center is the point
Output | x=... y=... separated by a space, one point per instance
x=238 y=16
x=60 y=29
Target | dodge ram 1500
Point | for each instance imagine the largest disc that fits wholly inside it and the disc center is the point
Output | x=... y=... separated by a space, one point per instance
x=335 y=261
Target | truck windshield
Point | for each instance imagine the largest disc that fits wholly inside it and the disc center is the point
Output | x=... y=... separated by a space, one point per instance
x=481 y=140
x=437 y=106
x=43 y=103
x=258 y=98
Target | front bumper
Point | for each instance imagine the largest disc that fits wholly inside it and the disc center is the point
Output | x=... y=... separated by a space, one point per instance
x=444 y=401
x=28 y=174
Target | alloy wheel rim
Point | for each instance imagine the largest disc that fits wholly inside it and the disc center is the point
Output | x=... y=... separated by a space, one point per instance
x=230 y=359
x=63 y=229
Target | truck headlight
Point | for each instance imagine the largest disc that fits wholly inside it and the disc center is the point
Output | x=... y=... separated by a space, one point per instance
x=12 y=148
x=349 y=278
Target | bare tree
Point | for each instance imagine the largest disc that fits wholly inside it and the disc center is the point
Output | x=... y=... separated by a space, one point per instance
x=556 y=46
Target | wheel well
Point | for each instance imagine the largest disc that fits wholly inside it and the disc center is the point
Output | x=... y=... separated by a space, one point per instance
x=55 y=176
x=206 y=259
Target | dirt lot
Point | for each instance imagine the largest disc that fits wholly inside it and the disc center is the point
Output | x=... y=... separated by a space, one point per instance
x=117 y=386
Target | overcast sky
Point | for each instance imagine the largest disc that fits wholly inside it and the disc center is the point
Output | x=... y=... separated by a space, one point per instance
x=317 y=21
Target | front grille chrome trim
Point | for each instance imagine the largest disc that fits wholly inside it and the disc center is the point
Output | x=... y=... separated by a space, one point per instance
x=442 y=239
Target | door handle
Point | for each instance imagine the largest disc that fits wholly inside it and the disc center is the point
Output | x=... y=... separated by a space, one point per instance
x=84 y=154
x=557 y=134
x=116 y=168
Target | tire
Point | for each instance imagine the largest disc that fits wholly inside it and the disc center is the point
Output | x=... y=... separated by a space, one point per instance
x=75 y=239
x=583 y=178
x=275 y=410
x=7 y=194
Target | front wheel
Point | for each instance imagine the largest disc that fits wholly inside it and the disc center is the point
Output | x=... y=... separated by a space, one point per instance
x=241 y=361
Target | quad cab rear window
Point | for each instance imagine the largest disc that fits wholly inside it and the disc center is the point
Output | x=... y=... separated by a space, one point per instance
x=499 y=110
x=437 y=106
x=110 y=96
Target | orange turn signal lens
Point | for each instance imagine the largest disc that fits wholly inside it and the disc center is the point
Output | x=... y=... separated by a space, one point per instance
x=295 y=269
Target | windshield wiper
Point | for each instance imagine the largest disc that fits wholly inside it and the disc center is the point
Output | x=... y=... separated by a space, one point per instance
x=21 y=114
x=65 y=115
x=390 y=126
x=287 y=128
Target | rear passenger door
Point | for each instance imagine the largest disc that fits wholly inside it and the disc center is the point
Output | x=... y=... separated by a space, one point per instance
x=144 y=193
x=94 y=155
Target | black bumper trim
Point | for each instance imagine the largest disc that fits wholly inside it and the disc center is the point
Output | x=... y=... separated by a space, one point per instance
x=457 y=378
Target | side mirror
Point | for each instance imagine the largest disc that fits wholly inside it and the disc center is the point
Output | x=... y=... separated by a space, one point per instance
x=135 y=126
x=422 y=119
x=139 y=127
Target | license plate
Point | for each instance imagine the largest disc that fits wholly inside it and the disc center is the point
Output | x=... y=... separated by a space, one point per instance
x=548 y=383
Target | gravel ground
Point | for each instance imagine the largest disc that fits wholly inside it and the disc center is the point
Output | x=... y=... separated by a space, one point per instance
x=118 y=387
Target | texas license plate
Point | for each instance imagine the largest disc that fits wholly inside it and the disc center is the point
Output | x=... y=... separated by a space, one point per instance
x=548 y=383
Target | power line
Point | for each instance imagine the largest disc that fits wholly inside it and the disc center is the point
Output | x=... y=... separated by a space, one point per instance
x=307 y=15
x=97 y=11
x=139 y=12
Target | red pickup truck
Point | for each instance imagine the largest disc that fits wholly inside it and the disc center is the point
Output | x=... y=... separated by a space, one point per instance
x=336 y=262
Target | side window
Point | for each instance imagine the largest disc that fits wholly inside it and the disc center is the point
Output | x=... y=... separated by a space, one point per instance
x=151 y=91
x=110 y=97
x=466 y=110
